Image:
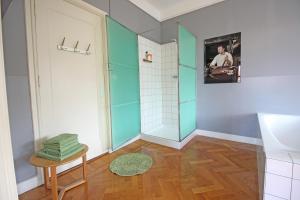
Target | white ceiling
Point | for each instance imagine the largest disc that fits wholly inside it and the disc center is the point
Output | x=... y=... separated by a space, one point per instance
x=166 y=9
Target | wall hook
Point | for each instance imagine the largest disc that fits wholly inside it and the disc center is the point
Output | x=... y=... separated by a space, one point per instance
x=76 y=45
x=73 y=49
x=88 y=48
x=63 y=42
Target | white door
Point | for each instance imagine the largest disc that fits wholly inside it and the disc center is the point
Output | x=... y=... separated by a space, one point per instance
x=71 y=86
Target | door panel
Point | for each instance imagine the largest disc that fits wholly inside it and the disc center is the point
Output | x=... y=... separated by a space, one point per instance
x=122 y=45
x=187 y=118
x=71 y=85
x=125 y=123
x=187 y=81
x=187 y=47
x=124 y=83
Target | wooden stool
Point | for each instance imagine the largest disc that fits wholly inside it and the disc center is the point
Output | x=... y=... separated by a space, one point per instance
x=46 y=164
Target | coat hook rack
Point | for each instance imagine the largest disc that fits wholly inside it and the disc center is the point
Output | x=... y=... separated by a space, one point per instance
x=74 y=49
x=63 y=42
x=88 y=48
x=76 y=45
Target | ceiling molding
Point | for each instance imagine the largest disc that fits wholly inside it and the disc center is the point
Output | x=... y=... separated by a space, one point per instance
x=186 y=7
x=175 y=10
x=148 y=8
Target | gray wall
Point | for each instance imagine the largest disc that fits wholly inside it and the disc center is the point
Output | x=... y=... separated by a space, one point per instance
x=131 y=16
x=270 y=62
x=15 y=58
x=14 y=36
x=270 y=68
x=4 y=6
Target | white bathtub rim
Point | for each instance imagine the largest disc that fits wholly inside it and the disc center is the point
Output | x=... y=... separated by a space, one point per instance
x=272 y=147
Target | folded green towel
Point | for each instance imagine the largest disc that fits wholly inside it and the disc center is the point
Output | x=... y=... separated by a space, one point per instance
x=60 y=153
x=62 y=139
x=61 y=148
x=42 y=154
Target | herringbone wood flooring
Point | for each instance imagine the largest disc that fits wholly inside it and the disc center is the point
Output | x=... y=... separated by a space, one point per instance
x=206 y=169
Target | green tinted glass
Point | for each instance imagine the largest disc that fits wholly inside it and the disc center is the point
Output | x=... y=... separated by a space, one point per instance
x=124 y=83
x=187 y=81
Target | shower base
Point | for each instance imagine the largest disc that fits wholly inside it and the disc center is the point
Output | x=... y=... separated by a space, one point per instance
x=166 y=131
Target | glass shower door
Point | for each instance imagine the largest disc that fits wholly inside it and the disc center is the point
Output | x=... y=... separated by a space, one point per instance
x=124 y=83
x=187 y=81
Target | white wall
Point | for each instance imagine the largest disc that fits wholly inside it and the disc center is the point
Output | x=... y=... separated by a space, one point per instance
x=170 y=83
x=159 y=85
x=150 y=86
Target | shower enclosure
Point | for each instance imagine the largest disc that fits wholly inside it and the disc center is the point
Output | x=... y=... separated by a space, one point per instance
x=159 y=89
x=168 y=86
x=152 y=87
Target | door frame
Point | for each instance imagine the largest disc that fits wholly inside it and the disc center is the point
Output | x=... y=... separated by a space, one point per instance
x=31 y=36
x=8 y=185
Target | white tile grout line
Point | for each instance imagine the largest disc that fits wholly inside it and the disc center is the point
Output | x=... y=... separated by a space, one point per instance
x=279 y=160
x=276 y=196
x=278 y=175
x=291 y=192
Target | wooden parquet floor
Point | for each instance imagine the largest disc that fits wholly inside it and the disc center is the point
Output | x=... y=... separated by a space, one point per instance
x=205 y=169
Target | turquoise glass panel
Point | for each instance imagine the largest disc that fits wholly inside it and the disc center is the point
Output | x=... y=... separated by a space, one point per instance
x=122 y=45
x=124 y=83
x=187 y=118
x=125 y=123
x=187 y=47
x=187 y=83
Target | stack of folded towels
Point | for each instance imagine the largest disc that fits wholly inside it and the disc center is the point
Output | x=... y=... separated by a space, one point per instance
x=60 y=147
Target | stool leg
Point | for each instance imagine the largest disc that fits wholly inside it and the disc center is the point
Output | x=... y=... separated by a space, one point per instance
x=54 y=183
x=46 y=177
x=84 y=168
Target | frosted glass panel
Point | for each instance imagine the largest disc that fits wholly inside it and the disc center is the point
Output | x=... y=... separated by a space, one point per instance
x=187 y=81
x=124 y=83
x=187 y=47
x=187 y=118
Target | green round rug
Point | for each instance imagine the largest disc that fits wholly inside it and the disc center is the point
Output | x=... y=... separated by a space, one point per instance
x=131 y=164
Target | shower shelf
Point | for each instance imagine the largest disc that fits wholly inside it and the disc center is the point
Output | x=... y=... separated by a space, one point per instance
x=148 y=61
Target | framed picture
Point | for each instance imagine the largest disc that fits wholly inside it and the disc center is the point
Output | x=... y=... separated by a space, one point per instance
x=222 y=59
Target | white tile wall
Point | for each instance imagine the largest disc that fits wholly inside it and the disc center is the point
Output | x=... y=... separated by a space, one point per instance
x=159 y=86
x=150 y=84
x=278 y=186
x=170 y=83
x=296 y=172
x=296 y=190
x=270 y=197
x=282 y=179
x=295 y=157
x=279 y=168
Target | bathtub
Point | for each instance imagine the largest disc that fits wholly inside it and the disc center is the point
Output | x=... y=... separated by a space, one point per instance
x=281 y=146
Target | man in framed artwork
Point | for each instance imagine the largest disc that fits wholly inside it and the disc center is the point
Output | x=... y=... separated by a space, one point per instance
x=222 y=59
